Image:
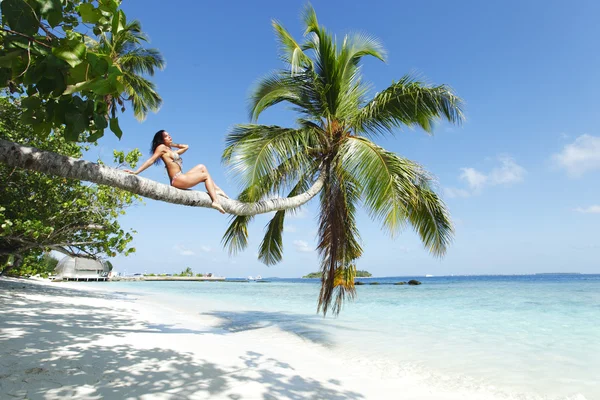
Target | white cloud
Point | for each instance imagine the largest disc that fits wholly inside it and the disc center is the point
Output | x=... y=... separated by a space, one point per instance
x=289 y=228
x=452 y=193
x=581 y=156
x=206 y=249
x=302 y=246
x=509 y=172
x=183 y=251
x=589 y=210
x=475 y=179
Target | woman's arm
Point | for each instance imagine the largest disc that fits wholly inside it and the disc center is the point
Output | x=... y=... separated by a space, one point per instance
x=182 y=147
x=160 y=150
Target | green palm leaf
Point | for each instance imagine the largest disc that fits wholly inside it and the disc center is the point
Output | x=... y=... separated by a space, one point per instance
x=387 y=181
x=430 y=217
x=142 y=94
x=290 y=51
x=255 y=151
x=408 y=103
x=271 y=248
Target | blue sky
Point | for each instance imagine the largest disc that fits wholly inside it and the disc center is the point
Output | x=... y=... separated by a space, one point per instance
x=520 y=176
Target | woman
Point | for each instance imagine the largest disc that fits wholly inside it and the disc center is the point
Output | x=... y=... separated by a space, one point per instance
x=161 y=149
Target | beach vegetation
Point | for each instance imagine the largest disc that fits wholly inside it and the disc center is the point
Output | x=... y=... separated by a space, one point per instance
x=338 y=119
x=40 y=213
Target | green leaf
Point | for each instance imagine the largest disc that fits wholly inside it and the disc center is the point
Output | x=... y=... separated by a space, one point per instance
x=51 y=10
x=6 y=59
x=34 y=74
x=76 y=123
x=99 y=63
x=101 y=86
x=118 y=22
x=31 y=102
x=100 y=121
x=20 y=16
x=271 y=248
x=108 y=5
x=114 y=127
x=89 y=13
x=95 y=136
x=71 y=51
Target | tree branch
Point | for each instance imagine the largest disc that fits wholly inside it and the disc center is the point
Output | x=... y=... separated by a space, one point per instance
x=26 y=36
x=16 y=155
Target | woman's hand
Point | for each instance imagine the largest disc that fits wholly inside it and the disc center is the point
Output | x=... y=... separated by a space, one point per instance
x=130 y=171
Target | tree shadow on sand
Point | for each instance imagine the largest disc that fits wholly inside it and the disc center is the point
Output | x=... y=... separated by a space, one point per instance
x=43 y=357
x=304 y=326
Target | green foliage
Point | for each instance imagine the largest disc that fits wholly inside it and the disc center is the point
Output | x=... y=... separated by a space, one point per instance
x=322 y=81
x=35 y=263
x=71 y=80
x=187 y=272
x=39 y=212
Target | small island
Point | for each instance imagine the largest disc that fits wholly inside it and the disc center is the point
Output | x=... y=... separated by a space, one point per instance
x=359 y=274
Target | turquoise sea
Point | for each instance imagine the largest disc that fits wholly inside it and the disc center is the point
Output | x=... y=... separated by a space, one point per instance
x=524 y=337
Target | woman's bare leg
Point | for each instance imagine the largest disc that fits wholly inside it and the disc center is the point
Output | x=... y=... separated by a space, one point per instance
x=220 y=191
x=195 y=176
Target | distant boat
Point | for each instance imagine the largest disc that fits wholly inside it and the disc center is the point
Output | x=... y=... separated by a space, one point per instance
x=428 y=276
x=258 y=277
x=250 y=278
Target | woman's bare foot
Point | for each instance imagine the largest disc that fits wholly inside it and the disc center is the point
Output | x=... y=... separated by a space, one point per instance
x=218 y=207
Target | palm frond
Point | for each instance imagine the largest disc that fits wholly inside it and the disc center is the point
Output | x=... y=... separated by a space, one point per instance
x=255 y=151
x=290 y=51
x=142 y=94
x=408 y=103
x=280 y=86
x=430 y=217
x=387 y=181
x=270 y=90
x=142 y=61
x=235 y=238
x=271 y=248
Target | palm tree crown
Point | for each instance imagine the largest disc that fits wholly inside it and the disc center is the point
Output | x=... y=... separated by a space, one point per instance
x=125 y=48
x=323 y=83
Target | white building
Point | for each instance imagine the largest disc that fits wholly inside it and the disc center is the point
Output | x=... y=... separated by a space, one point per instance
x=82 y=269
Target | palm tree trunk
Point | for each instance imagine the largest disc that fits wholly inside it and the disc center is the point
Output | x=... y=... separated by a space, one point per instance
x=16 y=155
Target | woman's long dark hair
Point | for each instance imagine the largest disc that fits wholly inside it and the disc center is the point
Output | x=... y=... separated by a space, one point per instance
x=157 y=140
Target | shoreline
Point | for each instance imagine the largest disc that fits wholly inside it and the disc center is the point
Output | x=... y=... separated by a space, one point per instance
x=60 y=340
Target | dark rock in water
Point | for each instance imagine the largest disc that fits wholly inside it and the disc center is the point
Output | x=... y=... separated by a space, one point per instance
x=400 y=283
x=358 y=283
x=414 y=282
x=374 y=283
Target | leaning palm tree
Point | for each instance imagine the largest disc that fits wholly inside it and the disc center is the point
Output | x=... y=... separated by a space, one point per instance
x=125 y=48
x=323 y=83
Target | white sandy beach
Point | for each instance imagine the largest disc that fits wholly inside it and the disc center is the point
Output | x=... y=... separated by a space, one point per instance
x=61 y=340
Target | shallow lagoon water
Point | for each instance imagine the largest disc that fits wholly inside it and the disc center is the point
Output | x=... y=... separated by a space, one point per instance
x=528 y=337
